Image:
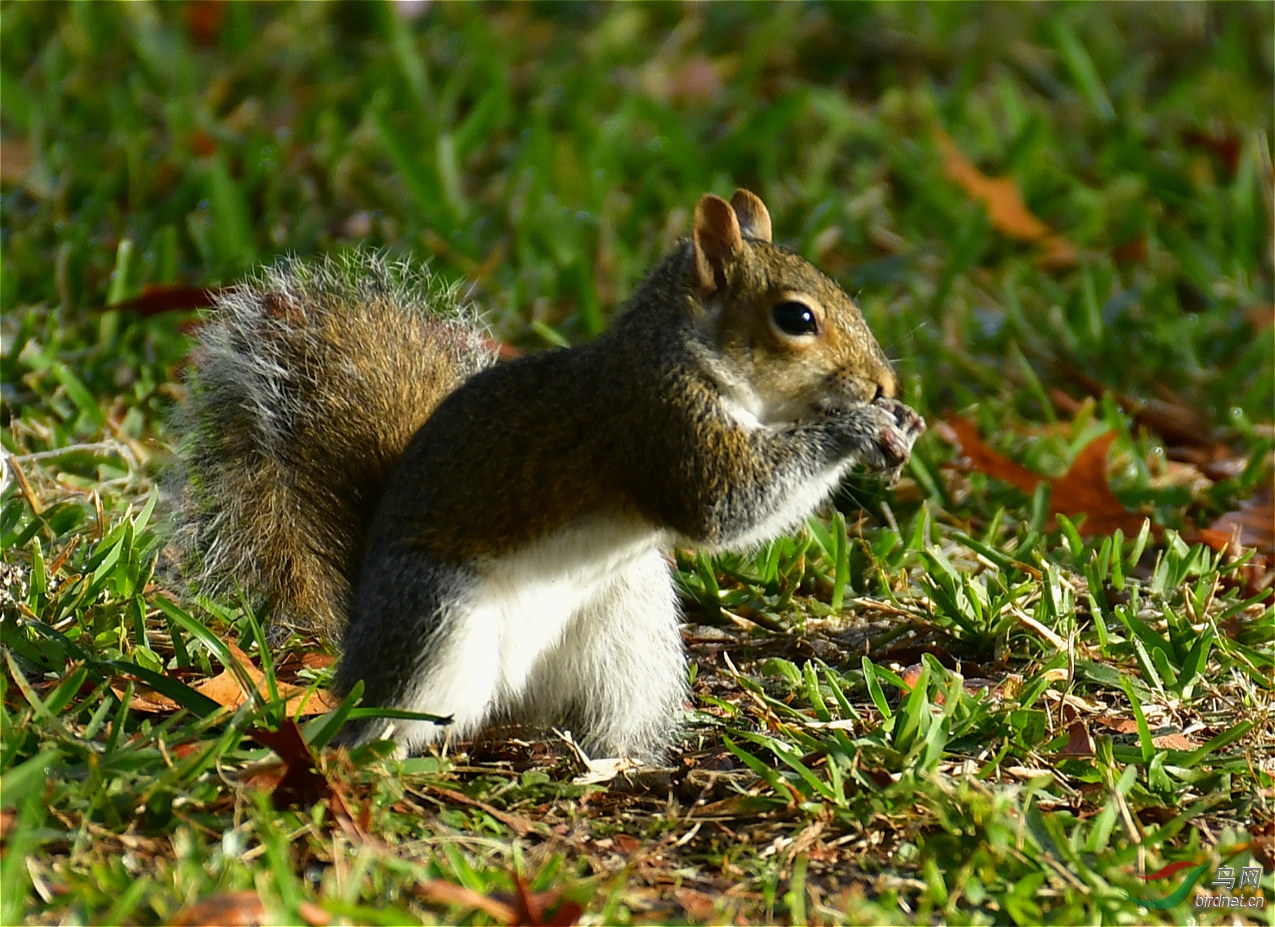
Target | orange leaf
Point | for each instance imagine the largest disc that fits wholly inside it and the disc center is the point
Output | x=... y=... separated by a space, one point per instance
x=964 y=433
x=1175 y=741
x=1084 y=490
x=225 y=689
x=1261 y=317
x=229 y=909
x=1079 y=742
x=448 y=893
x=1004 y=204
x=302 y=784
x=1254 y=522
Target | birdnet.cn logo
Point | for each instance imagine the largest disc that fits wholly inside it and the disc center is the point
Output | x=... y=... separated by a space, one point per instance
x=1232 y=887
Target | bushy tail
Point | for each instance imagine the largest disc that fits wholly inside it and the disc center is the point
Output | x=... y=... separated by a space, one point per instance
x=307 y=383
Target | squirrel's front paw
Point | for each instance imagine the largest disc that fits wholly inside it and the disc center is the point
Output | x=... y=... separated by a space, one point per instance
x=898 y=428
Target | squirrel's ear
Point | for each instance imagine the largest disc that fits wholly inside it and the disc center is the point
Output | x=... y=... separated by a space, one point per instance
x=754 y=217
x=717 y=241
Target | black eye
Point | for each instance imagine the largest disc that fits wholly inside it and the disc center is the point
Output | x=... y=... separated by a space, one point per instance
x=794 y=318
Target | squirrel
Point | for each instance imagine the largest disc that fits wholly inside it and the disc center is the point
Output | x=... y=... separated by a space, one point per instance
x=484 y=539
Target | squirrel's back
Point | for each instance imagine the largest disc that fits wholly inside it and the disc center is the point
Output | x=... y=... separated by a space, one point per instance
x=307 y=383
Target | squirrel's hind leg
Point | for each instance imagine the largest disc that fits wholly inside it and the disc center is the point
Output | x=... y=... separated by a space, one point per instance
x=418 y=645
x=617 y=679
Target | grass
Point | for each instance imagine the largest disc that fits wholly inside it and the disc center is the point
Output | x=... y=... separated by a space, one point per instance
x=941 y=703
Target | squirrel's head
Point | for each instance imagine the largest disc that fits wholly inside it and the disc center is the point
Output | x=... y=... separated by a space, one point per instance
x=787 y=342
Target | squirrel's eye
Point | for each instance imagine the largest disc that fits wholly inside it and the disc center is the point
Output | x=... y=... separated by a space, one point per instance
x=795 y=318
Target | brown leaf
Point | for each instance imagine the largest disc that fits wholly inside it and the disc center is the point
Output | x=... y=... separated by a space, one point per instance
x=302 y=784
x=964 y=433
x=147 y=700
x=226 y=690
x=165 y=298
x=1226 y=147
x=15 y=158
x=1119 y=725
x=1261 y=317
x=1084 y=489
x=1079 y=742
x=225 y=909
x=699 y=906
x=627 y=844
x=543 y=909
x=1177 y=741
x=1253 y=523
x=440 y=892
x=1004 y=203
x=1132 y=251
x=203 y=21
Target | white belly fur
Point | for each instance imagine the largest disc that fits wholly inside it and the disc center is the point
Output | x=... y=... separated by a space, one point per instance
x=518 y=612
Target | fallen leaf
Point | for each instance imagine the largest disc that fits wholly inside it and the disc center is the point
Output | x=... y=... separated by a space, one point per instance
x=1261 y=317
x=203 y=21
x=1226 y=148
x=699 y=906
x=627 y=844
x=225 y=689
x=1175 y=741
x=543 y=909
x=164 y=298
x=226 y=909
x=147 y=700
x=1082 y=490
x=1132 y=251
x=301 y=785
x=15 y=158
x=1079 y=742
x=964 y=433
x=441 y=892
x=1004 y=203
x=1253 y=523
x=1119 y=725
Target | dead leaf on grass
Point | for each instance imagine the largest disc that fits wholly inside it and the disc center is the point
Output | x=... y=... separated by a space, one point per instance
x=239 y=909
x=226 y=690
x=440 y=892
x=1174 y=741
x=964 y=433
x=15 y=158
x=301 y=785
x=1261 y=317
x=543 y=909
x=699 y=906
x=160 y=298
x=147 y=700
x=1082 y=490
x=1079 y=741
x=1005 y=206
x=1253 y=524
x=1119 y=725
